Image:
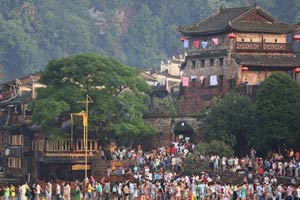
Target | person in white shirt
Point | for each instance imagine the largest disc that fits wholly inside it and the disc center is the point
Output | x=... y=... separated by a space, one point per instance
x=298 y=193
x=48 y=190
x=67 y=192
x=58 y=191
x=23 y=189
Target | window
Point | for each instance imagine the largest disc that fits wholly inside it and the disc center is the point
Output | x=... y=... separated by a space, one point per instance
x=202 y=63
x=221 y=62
x=38 y=145
x=275 y=40
x=15 y=162
x=92 y=145
x=17 y=140
x=193 y=64
x=80 y=146
x=243 y=40
x=58 y=146
x=251 y=40
x=211 y=62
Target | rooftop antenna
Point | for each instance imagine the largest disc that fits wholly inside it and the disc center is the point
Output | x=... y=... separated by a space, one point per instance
x=255 y=4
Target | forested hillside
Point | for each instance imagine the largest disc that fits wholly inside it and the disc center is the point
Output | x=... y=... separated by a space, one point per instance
x=139 y=33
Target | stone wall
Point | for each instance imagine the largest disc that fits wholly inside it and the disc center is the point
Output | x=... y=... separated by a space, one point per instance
x=196 y=97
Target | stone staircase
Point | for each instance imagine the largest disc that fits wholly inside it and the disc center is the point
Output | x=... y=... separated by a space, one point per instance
x=99 y=167
x=227 y=176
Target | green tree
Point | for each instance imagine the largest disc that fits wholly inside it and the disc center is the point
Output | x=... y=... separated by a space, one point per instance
x=192 y=163
x=143 y=32
x=278 y=108
x=119 y=95
x=215 y=147
x=166 y=105
x=230 y=119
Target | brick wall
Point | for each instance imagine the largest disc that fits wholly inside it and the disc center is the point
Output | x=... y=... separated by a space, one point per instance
x=196 y=97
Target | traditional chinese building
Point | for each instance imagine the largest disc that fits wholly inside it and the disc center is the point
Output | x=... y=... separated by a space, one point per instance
x=166 y=80
x=15 y=121
x=234 y=47
x=29 y=154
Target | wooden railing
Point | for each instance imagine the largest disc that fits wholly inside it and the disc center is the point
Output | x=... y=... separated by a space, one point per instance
x=263 y=47
x=69 y=155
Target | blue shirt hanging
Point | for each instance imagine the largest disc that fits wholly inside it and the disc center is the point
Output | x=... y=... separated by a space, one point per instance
x=204 y=44
x=186 y=44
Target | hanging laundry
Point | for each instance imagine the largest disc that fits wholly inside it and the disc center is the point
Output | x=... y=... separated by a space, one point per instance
x=185 y=81
x=213 y=80
x=215 y=41
x=204 y=44
x=201 y=78
x=186 y=44
x=193 y=77
x=196 y=43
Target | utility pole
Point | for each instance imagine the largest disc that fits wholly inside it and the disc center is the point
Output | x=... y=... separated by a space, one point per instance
x=84 y=116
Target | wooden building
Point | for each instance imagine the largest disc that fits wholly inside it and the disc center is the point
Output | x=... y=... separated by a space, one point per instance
x=15 y=122
x=28 y=154
x=234 y=47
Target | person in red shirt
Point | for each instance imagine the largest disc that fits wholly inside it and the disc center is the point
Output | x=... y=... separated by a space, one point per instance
x=260 y=170
x=297 y=155
x=173 y=150
x=168 y=150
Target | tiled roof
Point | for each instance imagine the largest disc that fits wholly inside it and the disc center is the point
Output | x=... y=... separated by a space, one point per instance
x=267 y=60
x=26 y=97
x=232 y=19
x=216 y=22
x=166 y=74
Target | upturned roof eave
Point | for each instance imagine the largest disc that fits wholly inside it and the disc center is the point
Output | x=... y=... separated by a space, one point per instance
x=241 y=61
x=196 y=32
x=204 y=33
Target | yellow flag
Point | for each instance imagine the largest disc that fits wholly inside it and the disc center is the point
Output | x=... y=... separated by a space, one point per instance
x=85 y=120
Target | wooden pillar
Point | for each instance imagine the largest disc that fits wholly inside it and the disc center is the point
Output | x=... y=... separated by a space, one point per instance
x=266 y=73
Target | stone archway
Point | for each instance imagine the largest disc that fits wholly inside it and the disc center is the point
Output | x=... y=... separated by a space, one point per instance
x=187 y=125
x=166 y=127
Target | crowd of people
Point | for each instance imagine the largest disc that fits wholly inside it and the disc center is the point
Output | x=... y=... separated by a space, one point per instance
x=159 y=174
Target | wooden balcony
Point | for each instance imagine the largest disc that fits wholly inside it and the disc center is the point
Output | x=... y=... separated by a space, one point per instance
x=65 y=156
x=262 y=47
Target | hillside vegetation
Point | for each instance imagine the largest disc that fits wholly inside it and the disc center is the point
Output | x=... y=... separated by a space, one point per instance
x=139 y=33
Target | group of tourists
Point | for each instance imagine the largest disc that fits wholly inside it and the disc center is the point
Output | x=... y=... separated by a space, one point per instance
x=158 y=175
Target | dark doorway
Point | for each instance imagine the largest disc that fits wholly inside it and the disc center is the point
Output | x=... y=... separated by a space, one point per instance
x=182 y=128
